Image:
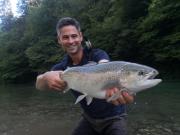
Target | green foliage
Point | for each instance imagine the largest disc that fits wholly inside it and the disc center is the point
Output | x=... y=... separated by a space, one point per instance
x=143 y=31
x=13 y=62
x=159 y=31
x=158 y=36
x=43 y=54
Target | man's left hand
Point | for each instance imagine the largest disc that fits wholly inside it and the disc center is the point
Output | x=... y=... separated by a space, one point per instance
x=124 y=97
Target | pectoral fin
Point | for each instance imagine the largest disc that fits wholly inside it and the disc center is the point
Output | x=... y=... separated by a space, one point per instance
x=80 y=98
x=89 y=100
x=60 y=76
x=66 y=89
x=114 y=96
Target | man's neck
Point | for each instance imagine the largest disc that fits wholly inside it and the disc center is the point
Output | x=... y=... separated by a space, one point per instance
x=76 y=58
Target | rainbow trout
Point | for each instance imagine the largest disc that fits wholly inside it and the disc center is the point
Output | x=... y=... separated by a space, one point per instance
x=93 y=80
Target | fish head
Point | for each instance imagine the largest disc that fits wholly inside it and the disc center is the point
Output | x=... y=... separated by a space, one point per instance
x=136 y=77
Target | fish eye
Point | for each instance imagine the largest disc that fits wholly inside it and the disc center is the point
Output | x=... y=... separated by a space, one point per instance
x=141 y=73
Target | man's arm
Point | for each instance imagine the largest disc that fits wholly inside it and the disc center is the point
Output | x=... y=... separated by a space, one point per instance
x=50 y=81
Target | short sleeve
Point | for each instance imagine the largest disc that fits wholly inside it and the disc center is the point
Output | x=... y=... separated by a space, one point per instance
x=99 y=54
x=58 y=66
x=62 y=65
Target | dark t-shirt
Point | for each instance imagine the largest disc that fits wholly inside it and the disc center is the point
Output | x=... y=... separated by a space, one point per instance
x=99 y=108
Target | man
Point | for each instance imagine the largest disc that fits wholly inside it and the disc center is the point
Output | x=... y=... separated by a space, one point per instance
x=100 y=117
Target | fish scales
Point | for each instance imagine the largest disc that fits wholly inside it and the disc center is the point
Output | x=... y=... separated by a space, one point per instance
x=94 y=80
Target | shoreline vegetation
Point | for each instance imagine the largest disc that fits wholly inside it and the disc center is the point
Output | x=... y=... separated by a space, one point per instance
x=140 y=31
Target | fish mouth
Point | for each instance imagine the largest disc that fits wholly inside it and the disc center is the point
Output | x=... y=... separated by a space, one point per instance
x=151 y=75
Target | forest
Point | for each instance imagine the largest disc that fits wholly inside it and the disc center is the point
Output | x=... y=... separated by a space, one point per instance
x=141 y=31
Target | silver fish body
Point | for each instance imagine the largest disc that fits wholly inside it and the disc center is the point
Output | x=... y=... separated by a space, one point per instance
x=93 y=80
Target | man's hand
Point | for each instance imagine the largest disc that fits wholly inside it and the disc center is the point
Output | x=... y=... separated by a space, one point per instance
x=124 y=97
x=51 y=81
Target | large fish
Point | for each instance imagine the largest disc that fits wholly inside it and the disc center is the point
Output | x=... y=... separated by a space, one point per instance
x=93 y=80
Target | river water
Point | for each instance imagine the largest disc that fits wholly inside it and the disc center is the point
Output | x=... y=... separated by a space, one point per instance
x=26 y=111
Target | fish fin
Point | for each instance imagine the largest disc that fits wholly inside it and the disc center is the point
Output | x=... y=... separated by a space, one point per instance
x=81 y=97
x=103 y=61
x=60 y=76
x=89 y=100
x=128 y=91
x=114 y=96
x=66 y=89
x=118 y=94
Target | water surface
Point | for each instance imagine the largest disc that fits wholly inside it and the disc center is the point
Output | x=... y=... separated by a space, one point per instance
x=26 y=111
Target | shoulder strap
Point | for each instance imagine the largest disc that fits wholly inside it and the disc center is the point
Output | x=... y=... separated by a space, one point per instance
x=88 y=46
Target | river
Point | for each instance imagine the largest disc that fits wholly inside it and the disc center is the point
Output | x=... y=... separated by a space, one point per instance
x=27 y=111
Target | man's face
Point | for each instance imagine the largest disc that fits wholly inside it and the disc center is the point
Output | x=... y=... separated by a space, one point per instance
x=70 y=39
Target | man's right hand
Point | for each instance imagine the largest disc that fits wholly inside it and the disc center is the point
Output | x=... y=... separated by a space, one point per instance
x=50 y=80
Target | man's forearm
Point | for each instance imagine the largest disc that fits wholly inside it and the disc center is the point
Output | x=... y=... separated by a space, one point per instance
x=50 y=81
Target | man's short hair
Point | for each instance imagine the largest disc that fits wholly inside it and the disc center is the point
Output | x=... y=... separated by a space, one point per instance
x=66 y=21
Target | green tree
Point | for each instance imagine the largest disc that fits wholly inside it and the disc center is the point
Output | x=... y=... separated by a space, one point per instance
x=159 y=35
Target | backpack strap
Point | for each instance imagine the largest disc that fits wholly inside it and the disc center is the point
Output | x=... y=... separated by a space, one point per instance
x=89 y=48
